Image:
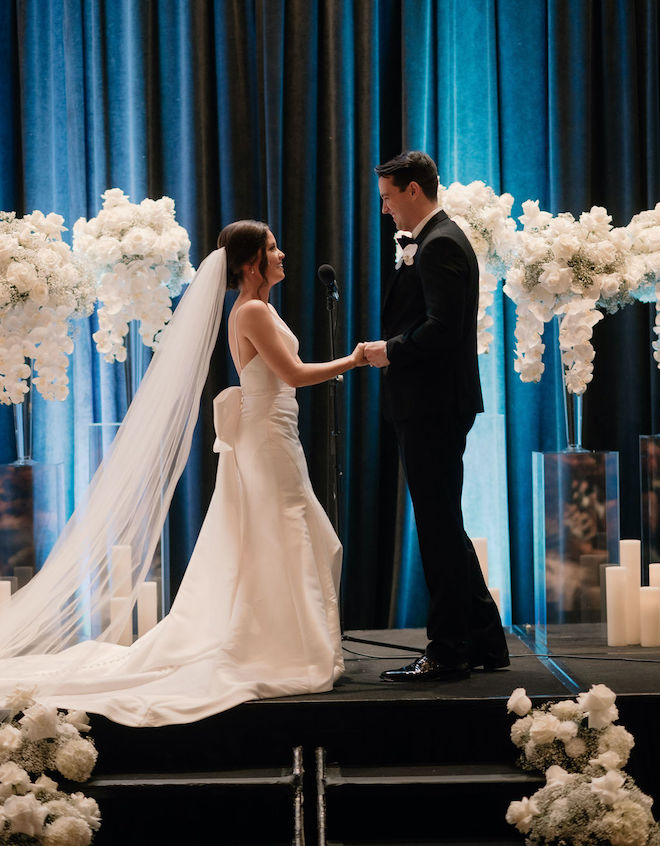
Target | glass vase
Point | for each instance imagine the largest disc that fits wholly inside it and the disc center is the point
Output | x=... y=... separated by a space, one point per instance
x=23 y=424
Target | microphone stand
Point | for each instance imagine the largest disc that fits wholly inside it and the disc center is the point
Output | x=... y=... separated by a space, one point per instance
x=334 y=474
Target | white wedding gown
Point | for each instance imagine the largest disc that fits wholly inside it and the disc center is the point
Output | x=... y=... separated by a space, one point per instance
x=256 y=614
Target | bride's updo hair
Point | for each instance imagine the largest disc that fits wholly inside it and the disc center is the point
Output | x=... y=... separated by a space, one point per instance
x=243 y=240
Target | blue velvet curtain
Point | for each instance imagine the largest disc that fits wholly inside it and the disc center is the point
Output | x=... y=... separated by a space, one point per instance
x=280 y=109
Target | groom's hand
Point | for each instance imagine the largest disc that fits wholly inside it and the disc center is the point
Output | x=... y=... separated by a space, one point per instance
x=376 y=353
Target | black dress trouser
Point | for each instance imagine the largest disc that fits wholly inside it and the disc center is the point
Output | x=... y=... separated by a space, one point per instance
x=463 y=622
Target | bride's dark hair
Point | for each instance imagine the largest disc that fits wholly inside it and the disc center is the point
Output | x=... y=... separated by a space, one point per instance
x=243 y=240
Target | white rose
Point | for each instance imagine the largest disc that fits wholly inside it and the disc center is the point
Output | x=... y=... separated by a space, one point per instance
x=521 y=814
x=114 y=197
x=598 y=703
x=44 y=784
x=565 y=246
x=607 y=760
x=25 y=814
x=8 y=247
x=566 y=731
x=67 y=831
x=566 y=710
x=519 y=703
x=544 y=729
x=106 y=250
x=557 y=775
x=138 y=241
x=603 y=252
x=40 y=721
x=40 y=293
x=21 y=275
x=608 y=787
x=13 y=779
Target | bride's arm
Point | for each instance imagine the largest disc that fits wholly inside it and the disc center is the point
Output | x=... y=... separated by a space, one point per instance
x=256 y=324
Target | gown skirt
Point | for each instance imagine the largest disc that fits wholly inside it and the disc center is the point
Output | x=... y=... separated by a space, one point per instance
x=256 y=614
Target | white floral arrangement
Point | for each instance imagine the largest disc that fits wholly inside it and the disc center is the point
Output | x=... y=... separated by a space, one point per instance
x=34 y=739
x=43 y=287
x=139 y=255
x=644 y=232
x=485 y=217
x=587 y=800
x=567 y=268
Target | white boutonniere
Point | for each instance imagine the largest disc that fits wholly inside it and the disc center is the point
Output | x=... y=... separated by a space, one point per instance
x=407 y=255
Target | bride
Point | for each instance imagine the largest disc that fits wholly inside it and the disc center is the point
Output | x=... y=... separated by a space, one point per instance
x=256 y=614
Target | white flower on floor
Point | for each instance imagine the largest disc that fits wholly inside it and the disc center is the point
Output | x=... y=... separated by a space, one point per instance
x=67 y=831
x=544 y=729
x=87 y=808
x=519 y=703
x=10 y=740
x=75 y=759
x=13 y=779
x=608 y=788
x=521 y=814
x=598 y=703
x=558 y=775
x=40 y=721
x=25 y=814
x=79 y=719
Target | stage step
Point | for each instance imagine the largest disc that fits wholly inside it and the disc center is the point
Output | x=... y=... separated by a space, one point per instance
x=246 y=807
x=452 y=803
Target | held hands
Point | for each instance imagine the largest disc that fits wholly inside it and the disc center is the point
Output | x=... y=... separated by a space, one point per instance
x=376 y=353
x=358 y=356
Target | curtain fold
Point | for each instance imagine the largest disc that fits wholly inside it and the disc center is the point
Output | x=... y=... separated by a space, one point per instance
x=280 y=110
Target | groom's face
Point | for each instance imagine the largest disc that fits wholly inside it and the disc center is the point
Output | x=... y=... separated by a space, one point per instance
x=397 y=202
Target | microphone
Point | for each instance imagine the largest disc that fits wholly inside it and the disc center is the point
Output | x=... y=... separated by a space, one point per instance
x=328 y=278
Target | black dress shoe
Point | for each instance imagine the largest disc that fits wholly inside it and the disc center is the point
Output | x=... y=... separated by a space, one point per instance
x=490 y=662
x=425 y=669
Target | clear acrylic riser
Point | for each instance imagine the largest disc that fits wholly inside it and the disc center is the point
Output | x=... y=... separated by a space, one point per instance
x=31 y=518
x=649 y=480
x=101 y=436
x=576 y=533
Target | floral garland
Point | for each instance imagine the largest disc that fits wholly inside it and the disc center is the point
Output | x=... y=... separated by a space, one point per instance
x=34 y=739
x=43 y=287
x=587 y=799
x=139 y=255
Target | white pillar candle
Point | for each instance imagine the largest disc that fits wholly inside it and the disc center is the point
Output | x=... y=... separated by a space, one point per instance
x=616 y=580
x=121 y=571
x=654 y=575
x=5 y=592
x=495 y=593
x=649 y=616
x=147 y=607
x=121 y=609
x=630 y=558
x=481 y=548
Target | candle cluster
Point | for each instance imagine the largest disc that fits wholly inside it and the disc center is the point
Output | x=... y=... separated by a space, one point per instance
x=633 y=610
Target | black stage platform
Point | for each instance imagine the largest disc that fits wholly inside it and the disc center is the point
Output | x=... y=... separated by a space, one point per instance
x=403 y=763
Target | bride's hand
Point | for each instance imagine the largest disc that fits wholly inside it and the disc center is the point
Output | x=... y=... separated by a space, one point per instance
x=358 y=356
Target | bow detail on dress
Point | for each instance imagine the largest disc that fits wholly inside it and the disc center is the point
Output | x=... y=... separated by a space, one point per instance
x=226 y=414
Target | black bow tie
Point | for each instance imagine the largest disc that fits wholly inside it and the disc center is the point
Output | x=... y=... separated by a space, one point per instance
x=404 y=240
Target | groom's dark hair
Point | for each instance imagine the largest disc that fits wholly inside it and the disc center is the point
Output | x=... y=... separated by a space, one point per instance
x=412 y=166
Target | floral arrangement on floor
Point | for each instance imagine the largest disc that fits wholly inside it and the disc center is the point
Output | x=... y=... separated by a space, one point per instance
x=36 y=739
x=43 y=287
x=570 y=269
x=139 y=255
x=588 y=800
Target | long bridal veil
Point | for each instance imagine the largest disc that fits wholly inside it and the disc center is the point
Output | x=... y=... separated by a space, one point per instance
x=68 y=600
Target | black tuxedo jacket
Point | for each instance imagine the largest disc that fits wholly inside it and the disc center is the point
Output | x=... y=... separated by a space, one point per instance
x=430 y=325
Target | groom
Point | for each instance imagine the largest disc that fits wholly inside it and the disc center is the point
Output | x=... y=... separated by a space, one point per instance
x=432 y=393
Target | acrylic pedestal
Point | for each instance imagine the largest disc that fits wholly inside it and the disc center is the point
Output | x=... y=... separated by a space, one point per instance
x=31 y=517
x=576 y=533
x=649 y=478
x=101 y=436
